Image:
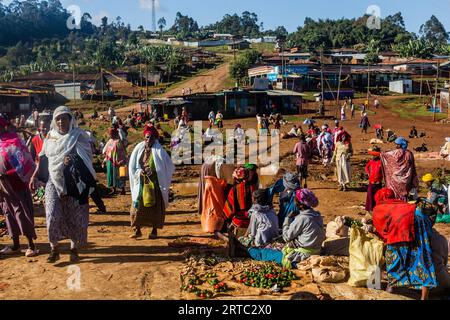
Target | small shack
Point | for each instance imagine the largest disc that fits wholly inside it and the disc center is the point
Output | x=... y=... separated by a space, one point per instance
x=445 y=100
x=239 y=45
x=68 y=91
x=401 y=86
x=17 y=99
x=242 y=103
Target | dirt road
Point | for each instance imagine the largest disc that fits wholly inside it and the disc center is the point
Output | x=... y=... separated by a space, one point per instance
x=117 y=267
x=214 y=80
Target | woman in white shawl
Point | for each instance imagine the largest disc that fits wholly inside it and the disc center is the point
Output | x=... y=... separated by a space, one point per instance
x=149 y=162
x=71 y=181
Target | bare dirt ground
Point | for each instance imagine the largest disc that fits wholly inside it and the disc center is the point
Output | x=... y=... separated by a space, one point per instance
x=213 y=79
x=117 y=267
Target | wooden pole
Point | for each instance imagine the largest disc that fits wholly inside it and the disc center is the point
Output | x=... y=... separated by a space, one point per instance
x=421 y=81
x=101 y=83
x=146 y=81
x=435 y=93
x=339 y=91
x=321 y=82
x=368 y=85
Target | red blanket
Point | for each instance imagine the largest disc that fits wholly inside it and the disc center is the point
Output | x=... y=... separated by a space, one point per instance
x=394 y=221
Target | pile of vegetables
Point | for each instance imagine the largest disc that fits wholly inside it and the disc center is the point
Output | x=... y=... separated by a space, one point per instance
x=349 y=222
x=39 y=195
x=268 y=277
x=211 y=278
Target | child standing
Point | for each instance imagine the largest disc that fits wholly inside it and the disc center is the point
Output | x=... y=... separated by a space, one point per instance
x=375 y=171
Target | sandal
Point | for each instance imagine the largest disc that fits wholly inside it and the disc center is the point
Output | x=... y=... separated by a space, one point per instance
x=31 y=253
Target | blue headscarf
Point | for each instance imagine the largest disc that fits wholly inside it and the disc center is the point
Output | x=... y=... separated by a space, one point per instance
x=291 y=181
x=402 y=142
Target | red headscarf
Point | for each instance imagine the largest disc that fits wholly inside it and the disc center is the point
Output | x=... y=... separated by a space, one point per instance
x=384 y=195
x=151 y=130
x=343 y=134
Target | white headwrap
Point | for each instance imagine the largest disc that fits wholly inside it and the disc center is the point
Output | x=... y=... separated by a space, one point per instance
x=447 y=139
x=57 y=146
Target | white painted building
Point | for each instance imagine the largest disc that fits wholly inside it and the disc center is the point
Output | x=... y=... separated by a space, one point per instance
x=401 y=86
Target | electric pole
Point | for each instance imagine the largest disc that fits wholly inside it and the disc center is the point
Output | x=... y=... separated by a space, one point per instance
x=154 y=15
x=322 y=100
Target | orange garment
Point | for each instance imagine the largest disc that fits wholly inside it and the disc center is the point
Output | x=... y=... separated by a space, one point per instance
x=213 y=217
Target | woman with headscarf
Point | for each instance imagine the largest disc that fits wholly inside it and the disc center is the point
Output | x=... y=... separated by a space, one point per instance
x=149 y=165
x=115 y=157
x=364 y=124
x=71 y=181
x=239 y=199
x=342 y=154
x=16 y=168
x=407 y=231
x=286 y=187
x=211 y=196
x=325 y=145
x=399 y=169
x=263 y=227
x=303 y=231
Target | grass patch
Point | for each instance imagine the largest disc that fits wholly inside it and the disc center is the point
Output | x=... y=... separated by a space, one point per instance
x=411 y=107
x=264 y=47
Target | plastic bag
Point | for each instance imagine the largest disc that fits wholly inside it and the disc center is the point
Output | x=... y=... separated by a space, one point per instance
x=366 y=255
x=148 y=193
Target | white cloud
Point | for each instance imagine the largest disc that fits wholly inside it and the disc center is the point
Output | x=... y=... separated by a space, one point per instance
x=97 y=18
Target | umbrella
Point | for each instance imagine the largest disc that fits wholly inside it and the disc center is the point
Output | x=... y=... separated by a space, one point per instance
x=309 y=122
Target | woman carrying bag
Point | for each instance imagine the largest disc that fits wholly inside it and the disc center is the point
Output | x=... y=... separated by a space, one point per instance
x=150 y=171
x=115 y=159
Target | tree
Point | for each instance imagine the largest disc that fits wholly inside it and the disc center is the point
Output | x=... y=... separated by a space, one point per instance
x=162 y=24
x=185 y=27
x=434 y=31
x=420 y=48
x=104 y=22
x=239 y=68
x=20 y=54
x=348 y=33
x=373 y=52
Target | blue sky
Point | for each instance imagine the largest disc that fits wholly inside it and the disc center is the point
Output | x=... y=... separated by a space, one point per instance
x=290 y=13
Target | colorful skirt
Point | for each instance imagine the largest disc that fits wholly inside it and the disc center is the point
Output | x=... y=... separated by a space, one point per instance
x=411 y=265
x=113 y=177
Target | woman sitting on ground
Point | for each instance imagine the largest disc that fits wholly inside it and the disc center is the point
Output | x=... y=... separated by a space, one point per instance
x=239 y=199
x=263 y=227
x=303 y=231
x=413 y=133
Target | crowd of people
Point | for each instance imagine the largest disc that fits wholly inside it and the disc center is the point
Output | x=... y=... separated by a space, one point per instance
x=232 y=204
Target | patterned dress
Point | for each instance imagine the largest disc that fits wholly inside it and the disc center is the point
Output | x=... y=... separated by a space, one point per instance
x=411 y=265
x=66 y=218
